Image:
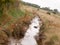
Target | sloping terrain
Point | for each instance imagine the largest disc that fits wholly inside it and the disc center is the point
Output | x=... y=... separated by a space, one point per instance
x=23 y=16
x=52 y=25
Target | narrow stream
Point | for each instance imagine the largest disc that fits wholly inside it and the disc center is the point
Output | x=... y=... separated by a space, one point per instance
x=29 y=38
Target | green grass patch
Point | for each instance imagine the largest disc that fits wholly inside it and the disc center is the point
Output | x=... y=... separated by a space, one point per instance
x=16 y=12
x=55 y=38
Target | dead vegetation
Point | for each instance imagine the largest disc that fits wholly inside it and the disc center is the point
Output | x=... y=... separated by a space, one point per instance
x=51 y=25
x=50 y=31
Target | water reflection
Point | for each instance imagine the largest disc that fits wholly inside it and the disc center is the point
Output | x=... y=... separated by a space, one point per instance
x=29 y=38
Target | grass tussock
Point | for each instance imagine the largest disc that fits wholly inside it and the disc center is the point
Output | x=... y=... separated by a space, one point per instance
x=18 y=21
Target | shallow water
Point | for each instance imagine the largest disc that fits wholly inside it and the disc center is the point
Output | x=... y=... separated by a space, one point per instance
x=29 y=38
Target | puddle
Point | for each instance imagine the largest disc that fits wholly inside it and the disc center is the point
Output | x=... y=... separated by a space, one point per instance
x=29 y=38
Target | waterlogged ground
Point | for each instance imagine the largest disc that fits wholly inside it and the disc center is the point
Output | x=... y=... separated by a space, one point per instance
x=29 y=38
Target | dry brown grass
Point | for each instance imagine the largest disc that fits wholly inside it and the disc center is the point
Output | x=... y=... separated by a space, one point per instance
x=51 y=22
x=5 y=19
x=16 y=29
x=51 y=25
